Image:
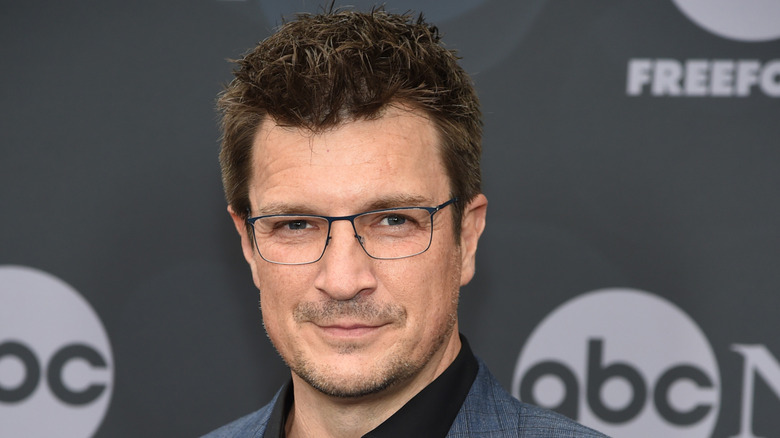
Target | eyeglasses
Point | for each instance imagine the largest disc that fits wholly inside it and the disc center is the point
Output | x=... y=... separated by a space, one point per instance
x=388 y=234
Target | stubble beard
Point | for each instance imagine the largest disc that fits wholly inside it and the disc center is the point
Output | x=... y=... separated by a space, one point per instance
x=393 y=370
x=388 y=372
x=385 y=373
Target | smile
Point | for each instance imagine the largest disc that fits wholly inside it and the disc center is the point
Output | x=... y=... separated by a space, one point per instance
x=350 y=331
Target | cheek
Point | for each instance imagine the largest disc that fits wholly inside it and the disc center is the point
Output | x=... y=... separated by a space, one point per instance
x=277 y=299
x=429 y=288
x=281 y=289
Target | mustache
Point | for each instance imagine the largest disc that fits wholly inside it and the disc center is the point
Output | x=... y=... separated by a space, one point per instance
x=325 y=312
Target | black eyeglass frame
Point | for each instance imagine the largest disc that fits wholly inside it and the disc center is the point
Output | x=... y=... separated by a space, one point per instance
x=351 y=218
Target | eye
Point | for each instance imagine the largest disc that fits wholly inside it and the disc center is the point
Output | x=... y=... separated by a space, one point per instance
x=393 y=220
x=291 y=225
x=296 y=224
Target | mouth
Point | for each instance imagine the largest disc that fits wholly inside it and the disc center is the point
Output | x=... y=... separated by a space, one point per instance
x=355 y=321
x=350 y=330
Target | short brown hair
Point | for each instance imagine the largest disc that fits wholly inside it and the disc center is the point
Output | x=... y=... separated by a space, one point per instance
x=319 y=71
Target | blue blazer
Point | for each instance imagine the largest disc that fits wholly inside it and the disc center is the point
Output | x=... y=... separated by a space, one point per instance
x=488 y=412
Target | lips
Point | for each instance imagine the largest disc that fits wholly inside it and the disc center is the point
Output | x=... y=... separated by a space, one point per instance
x=350 y=330
x=352 y=321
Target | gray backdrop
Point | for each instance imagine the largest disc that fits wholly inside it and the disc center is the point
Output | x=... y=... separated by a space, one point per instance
x=109 y=181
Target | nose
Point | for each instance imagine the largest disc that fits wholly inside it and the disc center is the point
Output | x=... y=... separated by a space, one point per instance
x=345 y=270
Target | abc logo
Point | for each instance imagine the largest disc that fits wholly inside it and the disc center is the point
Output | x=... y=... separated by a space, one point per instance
x=743 y=20
x=56 y=366
x=625 y=362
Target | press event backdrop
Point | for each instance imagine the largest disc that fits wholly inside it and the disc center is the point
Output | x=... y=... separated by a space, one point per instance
x=628 y=277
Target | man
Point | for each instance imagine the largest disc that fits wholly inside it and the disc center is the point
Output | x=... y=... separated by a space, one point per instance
x=350 y=162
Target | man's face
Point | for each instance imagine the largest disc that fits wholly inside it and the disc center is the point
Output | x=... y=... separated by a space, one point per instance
x=350 y=325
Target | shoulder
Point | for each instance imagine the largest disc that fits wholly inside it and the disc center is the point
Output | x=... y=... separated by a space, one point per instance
x=248 y=426
x=490 y=411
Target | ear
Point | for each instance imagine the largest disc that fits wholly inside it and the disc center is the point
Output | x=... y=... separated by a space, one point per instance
x=472 y=225
x=247 y=243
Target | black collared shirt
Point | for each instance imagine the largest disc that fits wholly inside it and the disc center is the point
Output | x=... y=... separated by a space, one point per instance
x=430 y=413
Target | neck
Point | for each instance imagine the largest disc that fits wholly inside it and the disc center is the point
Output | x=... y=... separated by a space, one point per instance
x=315 y=414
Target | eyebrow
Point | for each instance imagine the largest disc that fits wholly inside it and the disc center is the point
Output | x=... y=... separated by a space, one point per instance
x=391 y=201
x=400 y=200
x=285 y=208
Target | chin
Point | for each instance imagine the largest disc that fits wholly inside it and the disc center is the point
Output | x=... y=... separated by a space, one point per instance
x=354 y=372
x=341 y=383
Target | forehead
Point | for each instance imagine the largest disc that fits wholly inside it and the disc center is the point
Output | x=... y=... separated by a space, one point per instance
x=395 y=155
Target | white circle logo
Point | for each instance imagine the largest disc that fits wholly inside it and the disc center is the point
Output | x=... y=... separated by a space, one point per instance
x=743 y=20
x=56 y=366
x=625 y=362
